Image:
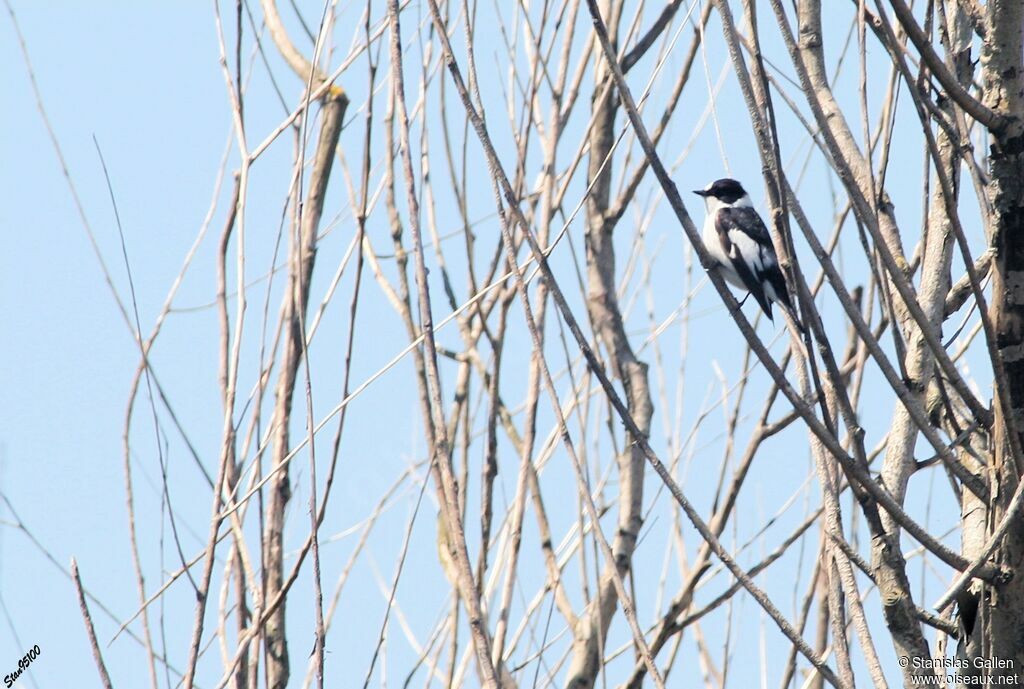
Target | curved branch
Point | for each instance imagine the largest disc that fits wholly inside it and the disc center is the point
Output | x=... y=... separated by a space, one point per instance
x=647 y=40
x=954 y=89
x=305 y=69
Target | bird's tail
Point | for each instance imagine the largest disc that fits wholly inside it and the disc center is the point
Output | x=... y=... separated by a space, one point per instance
x=793 y=320
x=797 y=321
x=785 y=303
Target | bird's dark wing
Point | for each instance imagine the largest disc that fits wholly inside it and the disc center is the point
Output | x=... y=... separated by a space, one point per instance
x=751 y=269
x=745 y=220
x=761 y=266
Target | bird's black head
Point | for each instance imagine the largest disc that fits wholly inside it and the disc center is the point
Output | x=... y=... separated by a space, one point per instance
x=725 y=190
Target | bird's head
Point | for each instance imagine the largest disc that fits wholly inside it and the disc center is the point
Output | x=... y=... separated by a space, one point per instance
x=726 y=191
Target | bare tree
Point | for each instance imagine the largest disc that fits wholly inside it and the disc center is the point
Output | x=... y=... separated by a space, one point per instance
x=586 y=498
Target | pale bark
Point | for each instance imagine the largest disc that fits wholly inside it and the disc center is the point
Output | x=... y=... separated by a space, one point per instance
x=993 y=616
x=606 y=319
x=301 y=264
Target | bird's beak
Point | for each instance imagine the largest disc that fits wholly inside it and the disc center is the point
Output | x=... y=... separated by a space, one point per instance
x=700 y=192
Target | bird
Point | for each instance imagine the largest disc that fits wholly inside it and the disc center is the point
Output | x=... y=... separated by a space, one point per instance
x=738 y=241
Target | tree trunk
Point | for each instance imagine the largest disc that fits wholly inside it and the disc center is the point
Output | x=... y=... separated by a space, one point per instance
x=993 y=616
x=606 y=318
x=296 y=300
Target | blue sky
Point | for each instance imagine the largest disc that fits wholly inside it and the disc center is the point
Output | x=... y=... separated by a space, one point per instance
x=144 y=80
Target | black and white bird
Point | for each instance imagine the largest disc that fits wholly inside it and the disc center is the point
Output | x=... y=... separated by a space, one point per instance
x=738 y=240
